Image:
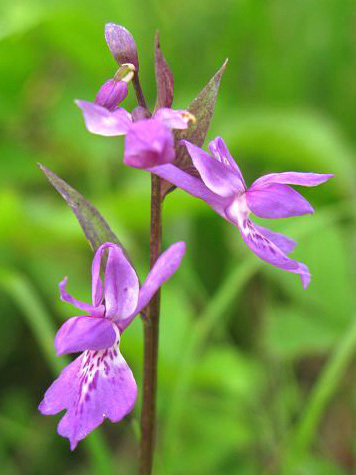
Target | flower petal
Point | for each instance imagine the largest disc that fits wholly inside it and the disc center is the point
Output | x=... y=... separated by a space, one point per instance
x=192 y=185
x=265 y=248
x=148 y=143
x=101 y=121
x=97 y=385
x=93 y=310
x=219 y=150
x=284 y=243
x=217 y=176
x=164 y=268
x=84 y=333
x=174 y=119
x=277 y=201
x=121 y=284
x=292 y=178
x=62 y=391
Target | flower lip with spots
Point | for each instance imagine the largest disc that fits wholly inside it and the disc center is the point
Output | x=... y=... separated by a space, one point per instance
x=99 y=384
x=222 y=186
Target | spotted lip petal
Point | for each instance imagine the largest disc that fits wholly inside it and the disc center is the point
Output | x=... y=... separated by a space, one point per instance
x=266 y=245
x=284 y=243
x=95 y=386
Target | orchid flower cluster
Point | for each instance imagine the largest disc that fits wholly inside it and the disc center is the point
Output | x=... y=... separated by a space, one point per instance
x=99 y=384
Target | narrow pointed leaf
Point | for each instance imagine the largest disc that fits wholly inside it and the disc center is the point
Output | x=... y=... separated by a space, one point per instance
x=202 y=108
x=164 y=78
x=95 y=228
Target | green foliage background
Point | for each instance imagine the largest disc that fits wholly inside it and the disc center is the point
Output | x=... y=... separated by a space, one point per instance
x=255 y=374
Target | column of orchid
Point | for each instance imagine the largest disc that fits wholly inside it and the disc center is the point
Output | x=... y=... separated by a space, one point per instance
x=99 y=384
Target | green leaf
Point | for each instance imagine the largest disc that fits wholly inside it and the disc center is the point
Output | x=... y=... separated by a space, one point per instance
x=202 y=108
x=95 y=228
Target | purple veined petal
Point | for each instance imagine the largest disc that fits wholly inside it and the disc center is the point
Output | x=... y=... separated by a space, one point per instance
x=121 y=44
x=93 y=310
x=292 y=178
x=264 y=248
x=174 y=119
x=219 y=150
x=121 y=287
x=148 y=143
x=111 y=94
x=284 y=243
x=84 y=333
x=277 y=201
x=192 y=185
x=164 y=268
x=218 y=177
x=121 y=284
x=101 y=121
x=97 y=385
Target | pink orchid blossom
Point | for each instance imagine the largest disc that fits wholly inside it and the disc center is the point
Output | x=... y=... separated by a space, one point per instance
x=99 y=384
x=222 y=186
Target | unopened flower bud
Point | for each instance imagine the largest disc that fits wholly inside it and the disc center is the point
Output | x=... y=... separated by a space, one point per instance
x=121 y=44
x=111 y=94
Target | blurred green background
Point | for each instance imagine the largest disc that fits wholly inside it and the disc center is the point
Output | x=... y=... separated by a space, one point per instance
x=255 y=374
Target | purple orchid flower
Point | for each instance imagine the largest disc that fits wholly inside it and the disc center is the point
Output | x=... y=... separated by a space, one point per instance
x=99 y=383
x=222 y=186
x=149 y=141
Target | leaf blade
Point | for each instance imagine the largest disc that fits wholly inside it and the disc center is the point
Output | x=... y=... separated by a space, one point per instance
x=94 y=226
x=164 y=78
x=202 y=108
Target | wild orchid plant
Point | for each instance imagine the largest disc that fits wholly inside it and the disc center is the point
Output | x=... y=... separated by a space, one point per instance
x=99 y=384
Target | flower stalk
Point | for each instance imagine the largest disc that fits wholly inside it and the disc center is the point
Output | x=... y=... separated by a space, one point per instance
x=151 y=323
x=151 y=332
x=138 y=91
